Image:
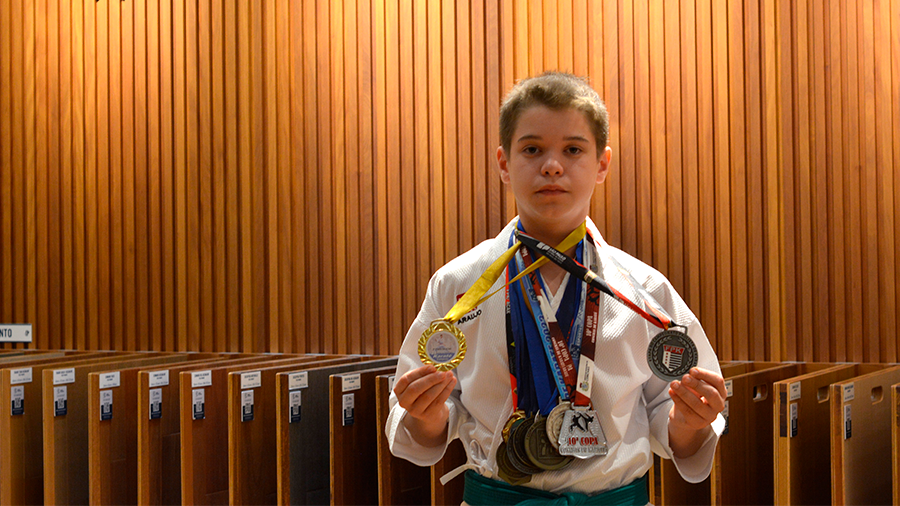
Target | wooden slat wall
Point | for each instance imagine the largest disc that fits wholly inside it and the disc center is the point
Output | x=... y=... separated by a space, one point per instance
x=285 y=175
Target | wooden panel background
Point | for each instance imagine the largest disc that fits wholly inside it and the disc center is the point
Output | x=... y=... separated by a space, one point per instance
x=285 y=175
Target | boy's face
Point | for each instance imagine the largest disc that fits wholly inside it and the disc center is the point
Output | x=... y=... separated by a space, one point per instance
x=552 y=167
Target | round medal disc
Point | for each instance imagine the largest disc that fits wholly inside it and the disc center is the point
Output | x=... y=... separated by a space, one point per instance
x=507 y=472
x=540 y=451
x=671 y=355
x=442 y=345
x=517 y=415
x=555 y=421
x=515 y=449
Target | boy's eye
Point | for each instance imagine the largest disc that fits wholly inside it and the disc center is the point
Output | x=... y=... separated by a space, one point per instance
x=574 y=150
x=530 y=150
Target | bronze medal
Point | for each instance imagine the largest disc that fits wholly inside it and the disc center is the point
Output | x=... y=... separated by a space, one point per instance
x=540 y=451
x=555 y=421
x=507 y=472
x=518 y=457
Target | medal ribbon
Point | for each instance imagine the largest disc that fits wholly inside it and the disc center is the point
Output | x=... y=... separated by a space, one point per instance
x=475 y=295
x=528 y=368
x=659 y=316
x=554 y=343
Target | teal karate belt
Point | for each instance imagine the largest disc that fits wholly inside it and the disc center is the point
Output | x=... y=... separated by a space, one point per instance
x=481 y=491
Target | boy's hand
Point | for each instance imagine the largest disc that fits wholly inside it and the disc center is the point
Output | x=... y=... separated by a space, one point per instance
x=422 y=393
x=698 y=397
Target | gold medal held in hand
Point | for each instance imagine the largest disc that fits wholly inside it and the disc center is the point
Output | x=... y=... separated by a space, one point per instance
x=442 y=345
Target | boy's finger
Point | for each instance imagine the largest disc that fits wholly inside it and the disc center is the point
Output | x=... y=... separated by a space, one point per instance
x=710 y=377
x=429 y=397
x=690 y=417
x=403 y=383
x=704 y=390
x=692 y=401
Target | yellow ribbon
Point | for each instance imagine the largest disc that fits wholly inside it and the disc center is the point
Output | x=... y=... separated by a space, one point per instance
x=475 y=294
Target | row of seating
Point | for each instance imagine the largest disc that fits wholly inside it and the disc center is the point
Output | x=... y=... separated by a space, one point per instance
x=80 y=427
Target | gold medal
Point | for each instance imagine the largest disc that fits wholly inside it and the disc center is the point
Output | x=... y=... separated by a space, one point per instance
x=442 y=345
x=517 y=415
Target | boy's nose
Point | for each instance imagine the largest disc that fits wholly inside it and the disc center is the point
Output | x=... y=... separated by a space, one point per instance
x=551 y=167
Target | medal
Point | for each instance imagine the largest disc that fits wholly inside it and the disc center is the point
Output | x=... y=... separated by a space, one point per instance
x=442 y=345
x=555 y=421
x=581 y=435
x=540 y=451
x=515 y=449
x=513 y=418
x=507 y=472
x=671 y=355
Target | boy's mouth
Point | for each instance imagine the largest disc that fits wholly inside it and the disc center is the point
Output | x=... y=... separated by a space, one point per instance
x=551 y=189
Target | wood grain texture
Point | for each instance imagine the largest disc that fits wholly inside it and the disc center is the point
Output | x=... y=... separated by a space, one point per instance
x=354 y=446
x=285 y=176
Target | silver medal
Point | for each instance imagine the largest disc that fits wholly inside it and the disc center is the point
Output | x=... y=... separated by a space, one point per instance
x=581 y=435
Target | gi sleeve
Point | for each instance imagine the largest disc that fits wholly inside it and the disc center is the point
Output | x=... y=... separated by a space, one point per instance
x=401 y=442
x=697 y=467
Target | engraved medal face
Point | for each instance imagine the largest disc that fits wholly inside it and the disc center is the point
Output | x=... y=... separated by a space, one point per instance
x=671 y=355
x=507 y=472
x=442 y=345
x=540 y=451
x=515 y=449
x=555 y=421
x=581 y=435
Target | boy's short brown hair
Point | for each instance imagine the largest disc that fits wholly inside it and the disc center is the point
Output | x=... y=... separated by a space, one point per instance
x=556 y=90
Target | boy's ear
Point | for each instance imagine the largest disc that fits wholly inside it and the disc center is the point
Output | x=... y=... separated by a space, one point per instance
x=604 y=162
x=502 y=164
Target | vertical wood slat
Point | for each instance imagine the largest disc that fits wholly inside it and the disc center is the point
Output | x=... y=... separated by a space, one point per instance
x=298 y=151
x=883 y=173
x=722 y=150
x=895 y=87
x=851 y=177
x=738 y=173
x=222 y=170
x=756 y=319
x=690 y=155
x=708 y=301
x=819 y=189
x=337 y=339
x=659 y=165
x=169 y=205
x=869 y=182
x=401 y=179
x=835 y=163
x=6 y=159
x=270 y=191
x=423 y=177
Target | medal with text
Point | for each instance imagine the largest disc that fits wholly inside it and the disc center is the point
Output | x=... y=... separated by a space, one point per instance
x=671 y=355
x=581 y=435
x=442 y=345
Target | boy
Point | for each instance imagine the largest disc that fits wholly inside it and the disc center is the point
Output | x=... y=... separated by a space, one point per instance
x=518 y=377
